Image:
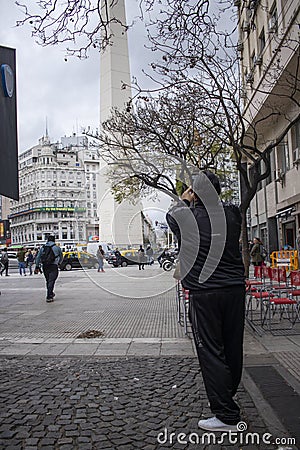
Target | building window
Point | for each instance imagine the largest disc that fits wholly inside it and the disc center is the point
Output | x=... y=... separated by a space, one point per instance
x=261 y=42
x=296 y=141
x=252 y=61
x=273 y=19
x=283 y=160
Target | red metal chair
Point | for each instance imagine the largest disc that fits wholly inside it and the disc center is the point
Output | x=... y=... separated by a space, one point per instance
x=295 y=283
x=280 y=302
x=284 y=308
x=256 y=293
x=257 y=280
x=279 y=279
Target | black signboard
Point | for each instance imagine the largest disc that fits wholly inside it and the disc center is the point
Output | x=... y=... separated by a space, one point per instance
x=9 y=183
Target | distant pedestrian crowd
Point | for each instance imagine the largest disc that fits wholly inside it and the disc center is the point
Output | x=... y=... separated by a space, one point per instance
x=26 y=261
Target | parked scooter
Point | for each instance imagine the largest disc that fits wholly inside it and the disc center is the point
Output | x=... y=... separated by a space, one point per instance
x=169 y=260
x=169 y=264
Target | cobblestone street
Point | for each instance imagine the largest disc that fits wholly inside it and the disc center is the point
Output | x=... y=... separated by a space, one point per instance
x=98 y=403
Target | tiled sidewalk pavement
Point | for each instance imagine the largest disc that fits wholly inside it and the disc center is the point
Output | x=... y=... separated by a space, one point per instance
x=89 y=403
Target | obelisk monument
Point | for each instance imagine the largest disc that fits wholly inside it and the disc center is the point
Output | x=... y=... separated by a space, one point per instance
x=120 y=224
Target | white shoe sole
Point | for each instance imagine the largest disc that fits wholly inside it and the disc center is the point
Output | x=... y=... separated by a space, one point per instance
x=225 y=429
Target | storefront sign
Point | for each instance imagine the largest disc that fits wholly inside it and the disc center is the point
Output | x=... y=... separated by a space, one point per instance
x=47 y=209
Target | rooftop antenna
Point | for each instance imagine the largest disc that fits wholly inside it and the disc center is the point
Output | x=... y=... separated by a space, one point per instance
x=47 y=135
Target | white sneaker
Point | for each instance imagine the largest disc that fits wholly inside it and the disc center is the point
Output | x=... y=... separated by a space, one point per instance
x=214 y=424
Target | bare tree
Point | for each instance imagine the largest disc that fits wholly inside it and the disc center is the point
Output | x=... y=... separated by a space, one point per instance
x=78 y=24
x=157 y=145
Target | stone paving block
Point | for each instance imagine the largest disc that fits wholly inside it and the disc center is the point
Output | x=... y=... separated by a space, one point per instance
x=49 y=349
x=117 y=349
x=80 y=349
x=64 y=441
x=59 y=340
x=142 y=349
x=278 y=344
x=176 y=348
x=24 y=340
x=17 y=349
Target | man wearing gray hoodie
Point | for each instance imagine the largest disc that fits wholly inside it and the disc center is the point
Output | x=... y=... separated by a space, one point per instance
x=50 y=256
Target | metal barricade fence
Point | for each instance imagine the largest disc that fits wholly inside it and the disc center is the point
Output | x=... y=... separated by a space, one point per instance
x=285 y=258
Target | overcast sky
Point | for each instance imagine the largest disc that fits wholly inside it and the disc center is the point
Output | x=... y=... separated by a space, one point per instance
x=66 y=93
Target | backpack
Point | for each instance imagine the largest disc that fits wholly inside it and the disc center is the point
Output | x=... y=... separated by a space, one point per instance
x=48 y=256
x=263 y=251
x=4 y=258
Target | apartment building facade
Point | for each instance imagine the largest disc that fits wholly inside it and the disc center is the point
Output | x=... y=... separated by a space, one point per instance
x=88 y=155
x=269 y=55
x=52 y=196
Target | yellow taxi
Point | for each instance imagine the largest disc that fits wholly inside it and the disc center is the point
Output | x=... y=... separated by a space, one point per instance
x=78 y=260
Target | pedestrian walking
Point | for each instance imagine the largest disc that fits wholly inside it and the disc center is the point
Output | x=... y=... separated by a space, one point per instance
x=50 y=256
x=216 y=308
x=21 y=261
x=4 y=262
x=118 y=257
x=29 y=261
x=256 y=252
x=100 y=257
x=141 y=258
x=161 y=257
x=150 y=253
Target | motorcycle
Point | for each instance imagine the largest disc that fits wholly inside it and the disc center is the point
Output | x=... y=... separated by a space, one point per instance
x=169 y=261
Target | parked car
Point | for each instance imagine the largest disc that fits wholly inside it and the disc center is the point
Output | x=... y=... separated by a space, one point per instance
x=78 y=260
x=128 y=258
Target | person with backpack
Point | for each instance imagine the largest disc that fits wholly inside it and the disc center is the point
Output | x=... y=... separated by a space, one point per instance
x=29 y=260
x=257 y=252
x=4 y=262
x=50 y=256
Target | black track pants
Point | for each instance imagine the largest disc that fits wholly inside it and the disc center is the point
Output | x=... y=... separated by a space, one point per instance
x=51 y=274
x=217 y=318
